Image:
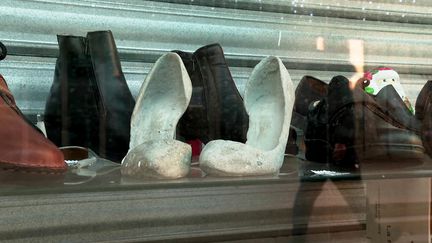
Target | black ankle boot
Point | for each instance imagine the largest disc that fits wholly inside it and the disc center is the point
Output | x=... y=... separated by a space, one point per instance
x=216 y=109
x=90 y=104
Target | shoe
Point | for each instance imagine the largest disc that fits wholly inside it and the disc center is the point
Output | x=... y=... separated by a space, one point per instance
x=269 y=100
x=350 y=126
x=423 y=111
x=216 y=110
x=23 y=147
x=162 y=100
x=90 y=104
x=309 y=89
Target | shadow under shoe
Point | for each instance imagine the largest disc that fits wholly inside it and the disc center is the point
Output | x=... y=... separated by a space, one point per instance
x=216 y=110
x=89 y=103
x=361 y=128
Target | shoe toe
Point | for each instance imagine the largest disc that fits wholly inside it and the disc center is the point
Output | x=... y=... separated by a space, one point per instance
x=164 y=158
x=238 y=159
x=29 y=150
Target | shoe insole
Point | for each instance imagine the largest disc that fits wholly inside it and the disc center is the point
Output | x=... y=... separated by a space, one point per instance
x=161 y=102
x=265 y=104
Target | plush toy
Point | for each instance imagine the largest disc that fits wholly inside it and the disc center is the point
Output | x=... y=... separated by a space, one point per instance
x=380 y=77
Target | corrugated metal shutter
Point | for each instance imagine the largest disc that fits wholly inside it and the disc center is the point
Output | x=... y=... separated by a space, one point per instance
x=315 y=37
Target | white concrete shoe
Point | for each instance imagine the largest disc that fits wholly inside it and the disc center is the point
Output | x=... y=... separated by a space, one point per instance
x=269 y=99
x=163 y=98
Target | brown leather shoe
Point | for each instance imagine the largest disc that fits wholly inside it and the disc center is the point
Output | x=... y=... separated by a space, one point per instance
x=23 y=147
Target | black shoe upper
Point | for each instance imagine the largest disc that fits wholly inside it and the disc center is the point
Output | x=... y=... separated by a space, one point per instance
x=216 y=109
x=309 y=89
x=423 y=112
x=89 y=103
x=423 y=100
x=116 y=102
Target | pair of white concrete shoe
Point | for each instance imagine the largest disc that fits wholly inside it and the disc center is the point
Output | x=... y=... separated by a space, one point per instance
x=164 y=97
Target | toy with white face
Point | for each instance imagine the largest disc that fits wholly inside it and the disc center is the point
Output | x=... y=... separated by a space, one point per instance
x=380 y=78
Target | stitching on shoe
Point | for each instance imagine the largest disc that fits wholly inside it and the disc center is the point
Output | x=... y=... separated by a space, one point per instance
x=18 y=170
x=32 y=171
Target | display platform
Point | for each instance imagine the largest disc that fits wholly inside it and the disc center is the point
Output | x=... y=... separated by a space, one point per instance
x=305 y=201
x=369 y=170
x=197 y=208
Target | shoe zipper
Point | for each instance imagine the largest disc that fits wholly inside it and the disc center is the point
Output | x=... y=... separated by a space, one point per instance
x=93 y=80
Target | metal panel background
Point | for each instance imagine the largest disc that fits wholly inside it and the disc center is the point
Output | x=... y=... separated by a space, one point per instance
x=356 y=35
x=386 y=33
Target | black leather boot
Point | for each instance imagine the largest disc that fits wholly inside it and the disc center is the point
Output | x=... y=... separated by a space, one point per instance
x=71 y=109
x=90 y=104
x=216 y=109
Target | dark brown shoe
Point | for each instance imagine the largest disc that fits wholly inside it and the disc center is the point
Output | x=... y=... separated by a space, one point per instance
x=350 y=126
